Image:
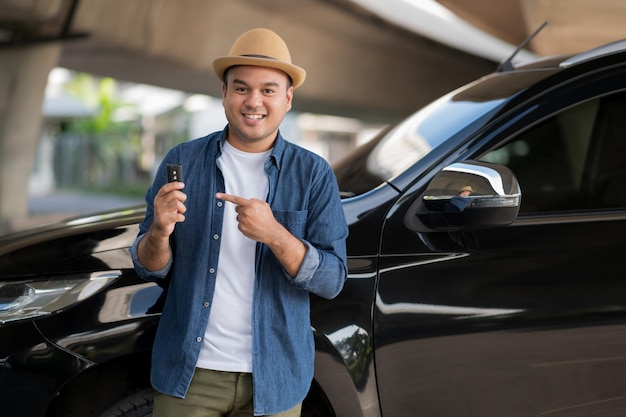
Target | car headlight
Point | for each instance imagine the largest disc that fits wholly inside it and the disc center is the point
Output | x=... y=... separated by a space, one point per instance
x=20 y=300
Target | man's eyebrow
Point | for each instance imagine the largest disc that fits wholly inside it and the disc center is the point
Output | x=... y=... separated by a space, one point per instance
x=267 y=84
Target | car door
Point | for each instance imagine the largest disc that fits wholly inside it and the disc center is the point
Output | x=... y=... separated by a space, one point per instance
x=528 y=319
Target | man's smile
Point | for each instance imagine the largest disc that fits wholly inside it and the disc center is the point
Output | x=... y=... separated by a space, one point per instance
x=254 y=116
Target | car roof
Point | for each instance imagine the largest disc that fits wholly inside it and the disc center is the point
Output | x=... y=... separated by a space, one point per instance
x=563 y=61
x=595 y=53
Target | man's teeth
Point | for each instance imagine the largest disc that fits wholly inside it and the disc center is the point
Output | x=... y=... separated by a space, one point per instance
x=254 y=116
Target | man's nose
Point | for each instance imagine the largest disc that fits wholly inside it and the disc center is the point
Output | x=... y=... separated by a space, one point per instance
x=254 y=99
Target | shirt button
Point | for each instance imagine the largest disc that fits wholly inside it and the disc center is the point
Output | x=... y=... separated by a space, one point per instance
x=212 y=270
x=198 y=339
x=206 y=304
x=216 y=236
x=220 y=203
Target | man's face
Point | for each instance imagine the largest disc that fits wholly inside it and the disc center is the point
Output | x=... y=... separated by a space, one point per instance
x=255 y=101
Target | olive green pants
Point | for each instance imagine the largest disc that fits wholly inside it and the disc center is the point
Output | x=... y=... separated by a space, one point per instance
x=213 y=394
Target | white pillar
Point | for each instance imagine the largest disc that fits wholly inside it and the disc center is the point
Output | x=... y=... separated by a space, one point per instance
x=23 y=78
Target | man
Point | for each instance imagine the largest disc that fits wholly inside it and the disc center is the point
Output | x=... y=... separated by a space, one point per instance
x=256 y=226
x=461 y=200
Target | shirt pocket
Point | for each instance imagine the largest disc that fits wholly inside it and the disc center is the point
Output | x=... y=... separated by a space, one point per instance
x=294 y=221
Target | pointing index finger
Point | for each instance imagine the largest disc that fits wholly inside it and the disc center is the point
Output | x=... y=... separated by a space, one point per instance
x=231 y=198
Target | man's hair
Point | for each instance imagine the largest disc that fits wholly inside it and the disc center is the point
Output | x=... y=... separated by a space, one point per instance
x=226 y=73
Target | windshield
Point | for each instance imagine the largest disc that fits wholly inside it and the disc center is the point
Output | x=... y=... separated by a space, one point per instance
x=400 y=146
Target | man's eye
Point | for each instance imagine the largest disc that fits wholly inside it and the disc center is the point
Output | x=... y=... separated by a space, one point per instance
x=241 y=89
x=268 y=91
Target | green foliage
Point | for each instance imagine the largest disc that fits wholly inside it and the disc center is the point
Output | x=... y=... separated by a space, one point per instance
x=356 y=350
x=102 y=94
x=107 y=151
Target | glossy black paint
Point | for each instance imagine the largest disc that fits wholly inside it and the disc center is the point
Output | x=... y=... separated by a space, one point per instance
x=62 y=364
x=472 y=320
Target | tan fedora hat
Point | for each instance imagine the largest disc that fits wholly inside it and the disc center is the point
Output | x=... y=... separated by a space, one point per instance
x=261 y=47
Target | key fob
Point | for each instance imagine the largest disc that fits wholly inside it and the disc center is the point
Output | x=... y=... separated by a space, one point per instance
x=174 y=172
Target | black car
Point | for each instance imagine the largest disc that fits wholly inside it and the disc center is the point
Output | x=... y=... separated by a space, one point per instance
x=485 y=253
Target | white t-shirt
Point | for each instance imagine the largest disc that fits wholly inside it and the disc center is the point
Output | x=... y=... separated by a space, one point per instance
x=227 y=344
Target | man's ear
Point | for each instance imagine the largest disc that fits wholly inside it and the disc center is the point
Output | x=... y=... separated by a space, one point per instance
x=289 y=97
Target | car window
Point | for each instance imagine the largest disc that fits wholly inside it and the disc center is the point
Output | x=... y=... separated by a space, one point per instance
x=574 y=160
x=400 y=146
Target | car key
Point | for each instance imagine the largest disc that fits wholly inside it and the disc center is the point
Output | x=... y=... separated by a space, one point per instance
x=174 y=173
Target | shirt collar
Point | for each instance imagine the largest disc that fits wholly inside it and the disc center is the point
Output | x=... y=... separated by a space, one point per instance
x=277 y=151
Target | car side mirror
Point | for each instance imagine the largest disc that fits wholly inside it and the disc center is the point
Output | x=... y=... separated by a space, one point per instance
x=470 y=195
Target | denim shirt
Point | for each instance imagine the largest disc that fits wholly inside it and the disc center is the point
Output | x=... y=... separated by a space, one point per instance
x=304 y=198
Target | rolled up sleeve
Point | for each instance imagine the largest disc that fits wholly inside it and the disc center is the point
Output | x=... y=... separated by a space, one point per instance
x=141 y=270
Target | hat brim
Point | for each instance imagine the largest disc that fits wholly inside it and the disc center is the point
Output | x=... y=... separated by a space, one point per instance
x=297 y=74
